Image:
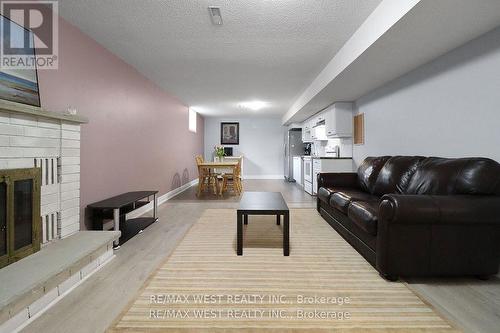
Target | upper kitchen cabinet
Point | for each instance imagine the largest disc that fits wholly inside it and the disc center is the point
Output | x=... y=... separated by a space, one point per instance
x=306 y=131
x=338 y=120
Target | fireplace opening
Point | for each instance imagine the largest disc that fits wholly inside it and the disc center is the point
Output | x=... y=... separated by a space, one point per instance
x=20 y=220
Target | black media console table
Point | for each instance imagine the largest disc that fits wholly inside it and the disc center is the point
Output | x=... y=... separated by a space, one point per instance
x=118 y=207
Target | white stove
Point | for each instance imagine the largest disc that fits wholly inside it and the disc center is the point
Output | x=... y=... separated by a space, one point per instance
x=308 y=174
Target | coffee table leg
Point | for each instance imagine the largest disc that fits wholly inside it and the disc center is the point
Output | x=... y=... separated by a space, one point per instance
x=286 y=235
x=239 y=235
x=245 y=218
x=278 y=219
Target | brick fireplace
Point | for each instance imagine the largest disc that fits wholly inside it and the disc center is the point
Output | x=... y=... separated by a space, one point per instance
x=50 y=141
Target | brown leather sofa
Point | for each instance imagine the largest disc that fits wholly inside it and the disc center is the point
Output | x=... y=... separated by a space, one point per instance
x=416 y=216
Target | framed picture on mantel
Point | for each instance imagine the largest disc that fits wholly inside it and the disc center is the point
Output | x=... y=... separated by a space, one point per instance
x=229 y=133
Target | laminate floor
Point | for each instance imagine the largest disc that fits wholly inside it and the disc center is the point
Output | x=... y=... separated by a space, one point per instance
x=470 y=304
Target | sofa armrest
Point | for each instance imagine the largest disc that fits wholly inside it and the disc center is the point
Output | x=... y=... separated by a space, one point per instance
x=424 y=235
x=443 y=209
x=344 y=179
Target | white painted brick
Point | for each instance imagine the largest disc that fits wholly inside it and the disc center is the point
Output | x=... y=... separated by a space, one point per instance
x=87 y=270
x=66 y=169
x=15 y=321
x=105 y=256
x=69 y=230
x=23 y=120
x=43 y=301
x=70 y=195
x=49 y=123
x=8 y=129
x=70 y=178
x=70 y=186
x=42 y=132
x=4 y=141
x=66 y=285
x=48 y=199
x=70 y=152
x=25 y=141
x=4 y=164
x=65 y=214
x=70 y=127
x=48 y=209
x=70 y=160
x=19 y=163
x=11 y=152
x=50 y=189
x=70 y=143
x=67 y=204
x=4 y=117
x=70 y=135
x=39 y=152
x=70 y=222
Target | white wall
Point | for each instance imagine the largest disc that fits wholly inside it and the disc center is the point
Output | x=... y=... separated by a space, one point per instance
x=261 y=144
x=449 y=107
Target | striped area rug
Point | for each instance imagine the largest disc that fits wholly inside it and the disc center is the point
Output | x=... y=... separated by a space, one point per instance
x=323 y=286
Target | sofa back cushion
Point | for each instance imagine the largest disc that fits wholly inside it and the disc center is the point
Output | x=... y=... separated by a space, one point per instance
x=368 y=172
x=444 y=176
x=479 y=176
x=396 y=174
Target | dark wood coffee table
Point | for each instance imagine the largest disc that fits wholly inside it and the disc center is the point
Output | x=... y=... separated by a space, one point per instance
x=263 y=203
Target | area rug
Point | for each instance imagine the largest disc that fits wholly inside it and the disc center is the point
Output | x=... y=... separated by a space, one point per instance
x=323 y=286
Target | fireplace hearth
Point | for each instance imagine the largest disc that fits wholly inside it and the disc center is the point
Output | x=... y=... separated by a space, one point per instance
x=20 y=220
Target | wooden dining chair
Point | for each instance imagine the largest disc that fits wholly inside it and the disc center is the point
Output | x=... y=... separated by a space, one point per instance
x=205 y=177
x=233 y=180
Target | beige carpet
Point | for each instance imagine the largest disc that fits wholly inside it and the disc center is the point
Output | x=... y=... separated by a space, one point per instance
x=205 y=287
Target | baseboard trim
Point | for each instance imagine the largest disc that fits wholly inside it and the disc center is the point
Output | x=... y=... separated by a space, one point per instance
x=161 y=199
x=263 y=177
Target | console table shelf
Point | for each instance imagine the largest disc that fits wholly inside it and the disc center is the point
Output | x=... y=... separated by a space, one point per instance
x=117 y=207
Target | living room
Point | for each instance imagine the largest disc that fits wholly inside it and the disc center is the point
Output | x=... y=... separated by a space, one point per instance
x=285 y=166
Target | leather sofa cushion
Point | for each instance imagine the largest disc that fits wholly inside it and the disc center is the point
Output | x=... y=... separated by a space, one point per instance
x=364 y=215
x=444 y=176
x=396 y=174
x=479 y=176
x=324 y=193
x=368 y=172
x=341 y=200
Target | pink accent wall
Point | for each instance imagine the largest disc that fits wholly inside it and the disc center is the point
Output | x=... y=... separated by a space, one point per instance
x=137 y=137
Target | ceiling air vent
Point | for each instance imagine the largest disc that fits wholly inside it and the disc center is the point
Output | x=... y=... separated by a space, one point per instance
x=215 y=15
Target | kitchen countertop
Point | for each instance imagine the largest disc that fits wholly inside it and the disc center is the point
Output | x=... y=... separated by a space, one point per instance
x=329 y=158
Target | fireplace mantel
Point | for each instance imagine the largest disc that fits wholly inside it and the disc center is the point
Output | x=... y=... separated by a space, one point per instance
x=11 y=107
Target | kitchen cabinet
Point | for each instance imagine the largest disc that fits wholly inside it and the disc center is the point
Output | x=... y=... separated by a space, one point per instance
x=329 y=165
x=339 y=120
x=297 y=169
x=306 y=131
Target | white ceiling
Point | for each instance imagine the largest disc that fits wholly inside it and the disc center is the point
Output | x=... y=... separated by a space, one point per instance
x=265 y=50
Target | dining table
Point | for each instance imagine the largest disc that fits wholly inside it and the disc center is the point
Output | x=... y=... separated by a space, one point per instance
x=216 y=167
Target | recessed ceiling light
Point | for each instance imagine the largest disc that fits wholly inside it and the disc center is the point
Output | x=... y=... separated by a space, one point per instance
x=216 y=15
x=253 y=105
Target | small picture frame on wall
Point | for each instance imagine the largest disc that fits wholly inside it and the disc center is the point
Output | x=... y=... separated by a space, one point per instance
x=229 y=133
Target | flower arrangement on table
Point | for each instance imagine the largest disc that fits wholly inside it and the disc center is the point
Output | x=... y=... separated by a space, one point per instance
x=219 y=152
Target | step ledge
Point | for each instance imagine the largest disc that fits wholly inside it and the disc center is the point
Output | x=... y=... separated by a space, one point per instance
x=31 y=282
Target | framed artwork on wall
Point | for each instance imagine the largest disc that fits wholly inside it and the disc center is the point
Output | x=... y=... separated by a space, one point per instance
x=19 y=85
x=229 y=133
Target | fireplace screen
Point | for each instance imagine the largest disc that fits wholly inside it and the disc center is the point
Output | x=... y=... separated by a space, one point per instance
x=19 y=214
